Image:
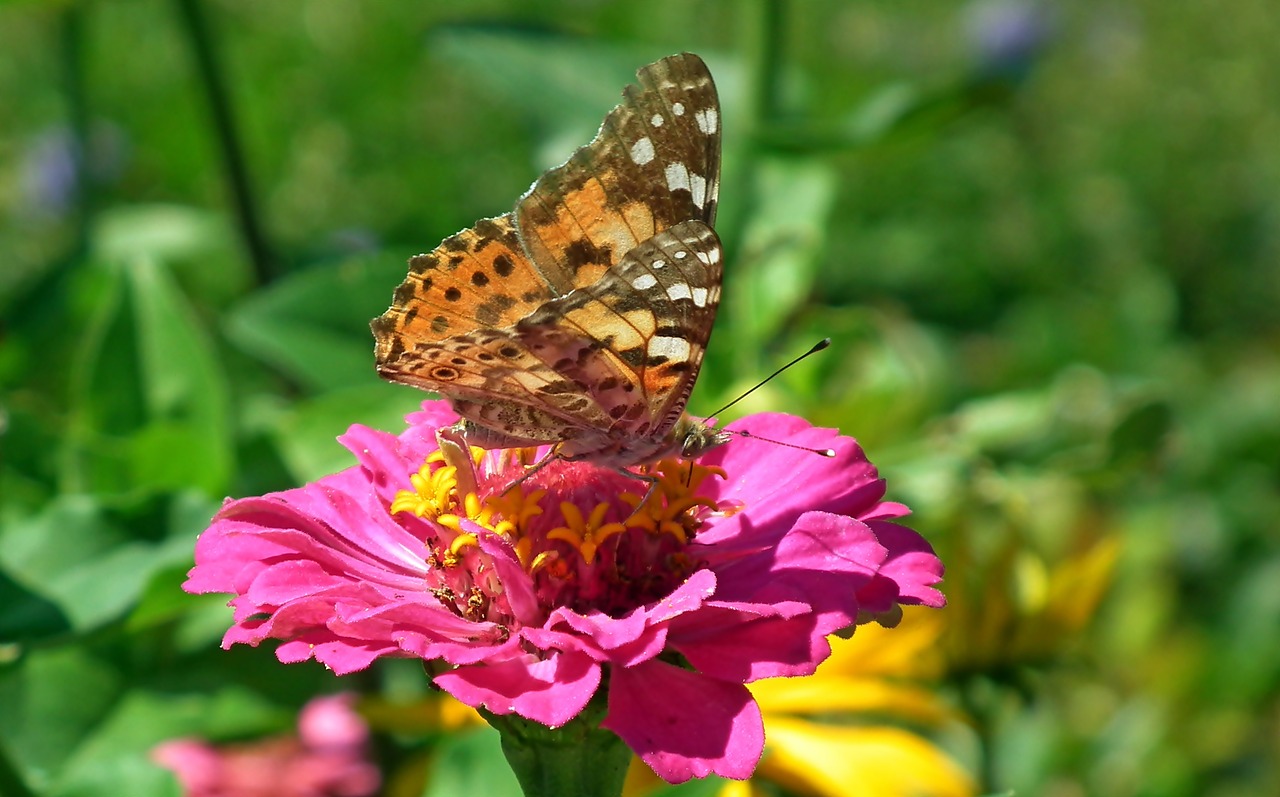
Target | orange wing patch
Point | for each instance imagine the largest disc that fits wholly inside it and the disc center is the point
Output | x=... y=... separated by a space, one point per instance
x=479 y=276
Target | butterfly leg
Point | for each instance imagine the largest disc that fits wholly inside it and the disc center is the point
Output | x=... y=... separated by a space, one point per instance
x=652 y=481
x=551 y=456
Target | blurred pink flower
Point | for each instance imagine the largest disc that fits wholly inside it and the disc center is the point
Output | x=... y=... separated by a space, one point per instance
x=739 y=570
x=326 y=759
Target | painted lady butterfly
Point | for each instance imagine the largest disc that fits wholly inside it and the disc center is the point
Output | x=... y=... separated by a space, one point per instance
x=581 y=317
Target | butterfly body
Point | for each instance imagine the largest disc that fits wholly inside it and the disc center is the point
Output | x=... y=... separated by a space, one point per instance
x=580 y=318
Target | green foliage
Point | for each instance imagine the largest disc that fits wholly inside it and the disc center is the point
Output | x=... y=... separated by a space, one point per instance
x=1049 y=274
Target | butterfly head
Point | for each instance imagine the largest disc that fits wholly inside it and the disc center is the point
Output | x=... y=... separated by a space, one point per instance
x=696 y=438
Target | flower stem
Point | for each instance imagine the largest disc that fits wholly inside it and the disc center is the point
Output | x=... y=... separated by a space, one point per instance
x=200 y=38
x=72 y=37
x=579 y=759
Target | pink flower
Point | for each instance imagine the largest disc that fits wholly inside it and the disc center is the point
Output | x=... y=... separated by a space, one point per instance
x=737 y=570
x=326 y=759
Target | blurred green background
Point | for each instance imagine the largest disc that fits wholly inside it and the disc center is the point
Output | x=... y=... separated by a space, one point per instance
x=1045 y=239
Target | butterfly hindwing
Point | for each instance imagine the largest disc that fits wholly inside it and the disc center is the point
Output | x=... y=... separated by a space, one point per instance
x=648 y=320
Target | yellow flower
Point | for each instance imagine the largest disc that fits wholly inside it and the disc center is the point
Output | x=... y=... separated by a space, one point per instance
x=846 y=729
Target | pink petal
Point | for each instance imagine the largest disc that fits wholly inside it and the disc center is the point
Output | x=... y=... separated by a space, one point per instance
x=685 y=725
x=777 y=483
x=820 y=560
x=733 y=647
x=911 y=564
x=552 y=691
x=637 y=636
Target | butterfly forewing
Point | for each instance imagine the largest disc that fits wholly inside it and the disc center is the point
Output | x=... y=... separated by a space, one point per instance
x=654 y=163
x=477 y=278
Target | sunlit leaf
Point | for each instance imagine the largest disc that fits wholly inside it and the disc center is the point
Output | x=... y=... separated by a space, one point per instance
x=314 y=325
x=73 y=557
x=472 y=763
x=306 y=435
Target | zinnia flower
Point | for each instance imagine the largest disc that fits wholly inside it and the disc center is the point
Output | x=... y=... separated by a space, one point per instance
x=736 y=569
x=328 y=758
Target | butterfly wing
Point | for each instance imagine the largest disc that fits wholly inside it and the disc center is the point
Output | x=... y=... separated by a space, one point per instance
x=479 y=278
x=613 y=360
x=654 y=163
x=582 y=315
x=575 y=222
x=640 y=330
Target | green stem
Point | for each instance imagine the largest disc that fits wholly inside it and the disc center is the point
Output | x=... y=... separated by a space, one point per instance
x=980 y=698
x=764 y=42
x=200 y=37
x=579 y=759
x=71 y=41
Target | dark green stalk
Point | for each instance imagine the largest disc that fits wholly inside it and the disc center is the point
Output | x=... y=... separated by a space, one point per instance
x=71 y=51
x=200 y=37
x=764 y=45
x=980 y=698
x=578 y=759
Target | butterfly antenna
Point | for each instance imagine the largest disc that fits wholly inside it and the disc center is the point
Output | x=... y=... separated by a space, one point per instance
x=825 y=452
x=817 y=347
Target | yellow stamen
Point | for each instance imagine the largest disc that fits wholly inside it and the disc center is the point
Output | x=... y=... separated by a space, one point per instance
x=542 y=560
x=677 y=482
x=432 y=492
x=586 y=535
x=472 y=509
x=463 y=541
x=516 y=507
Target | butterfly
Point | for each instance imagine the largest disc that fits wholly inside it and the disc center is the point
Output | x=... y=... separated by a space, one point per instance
x=580 y=318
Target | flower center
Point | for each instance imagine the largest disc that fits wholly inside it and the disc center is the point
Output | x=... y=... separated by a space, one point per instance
x=588 y=538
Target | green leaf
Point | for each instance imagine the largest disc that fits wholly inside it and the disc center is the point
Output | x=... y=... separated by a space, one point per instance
x=471 y=762
x=188 y=439
x=150 y=403
x=306 y=435
x=162 y=598
x=777 y=264
x=27 y=614
x=703 y=787
x=560 y=82
x=72 y=557
x=314 y=325
x=194 y=242
x=52 y=699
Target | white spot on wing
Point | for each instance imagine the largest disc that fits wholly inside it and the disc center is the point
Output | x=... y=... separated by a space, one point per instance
x=708 y=120
x=700 y=297
x=656 y=120
x=672 y=348
x=644 y=282
x=642 y=151
x=677 y=176
x=698 y=187
x=678 y=291
x=678 y=109
x=681 y=255
x=657 y=264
